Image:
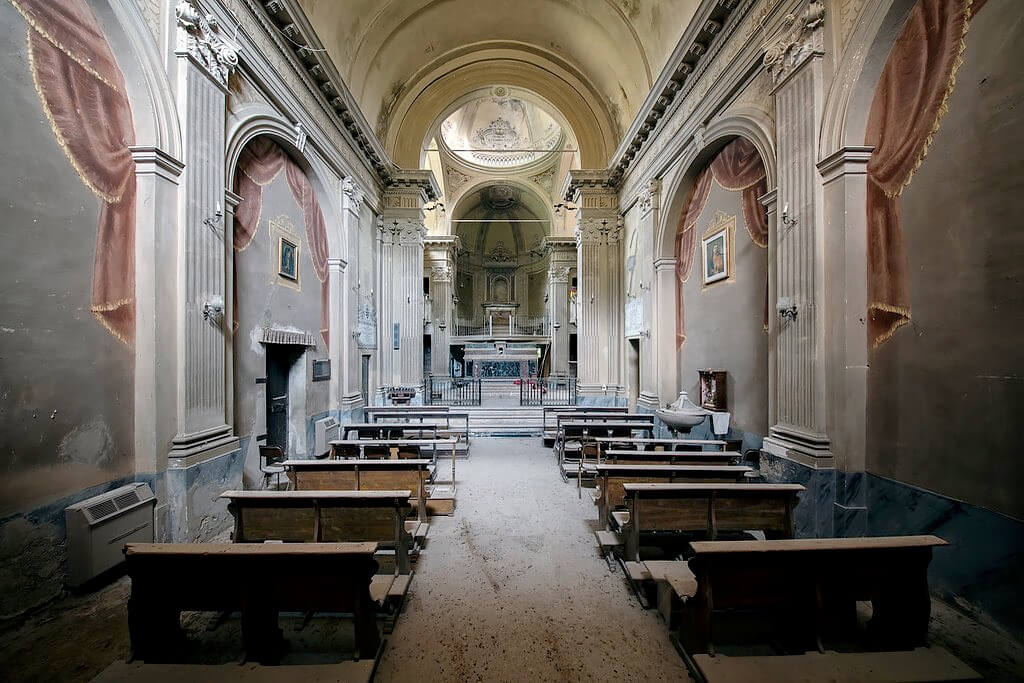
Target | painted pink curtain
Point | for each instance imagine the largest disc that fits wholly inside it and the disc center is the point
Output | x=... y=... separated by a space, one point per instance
x=260 y=163
x=737 y=167
x=909 y=102
x=686 y=240
x=82 y=92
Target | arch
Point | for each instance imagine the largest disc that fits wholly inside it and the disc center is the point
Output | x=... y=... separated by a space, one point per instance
x=844 y=121
x=522 y=184
x=433 y=131
x=443 y=82
x=752 y=124
x=162 y=129
x=255 y=120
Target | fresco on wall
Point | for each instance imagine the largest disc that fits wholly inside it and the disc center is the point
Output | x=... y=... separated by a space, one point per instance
x=260 y=163
x=738 y=168
x=82 y=93
x=909 y=103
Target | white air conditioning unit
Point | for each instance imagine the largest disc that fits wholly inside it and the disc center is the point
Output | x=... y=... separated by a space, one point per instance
x=99 y=527
x=324 y=432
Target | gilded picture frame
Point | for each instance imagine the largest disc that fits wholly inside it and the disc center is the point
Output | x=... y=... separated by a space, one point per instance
x=717 y=244
x=288 y=259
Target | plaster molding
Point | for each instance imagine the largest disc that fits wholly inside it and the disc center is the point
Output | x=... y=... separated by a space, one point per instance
x=200 y=36
x=649 y=198
x=598 y=231
x=354 y=196
x=441 y=274
x=846 y=161
x=802 y=37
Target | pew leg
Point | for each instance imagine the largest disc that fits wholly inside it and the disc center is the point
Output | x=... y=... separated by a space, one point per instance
x=367 y=638
x=263 y=641
x=154 y=631
x=900 y=614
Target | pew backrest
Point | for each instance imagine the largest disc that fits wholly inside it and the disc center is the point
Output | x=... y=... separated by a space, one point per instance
x=362 y=475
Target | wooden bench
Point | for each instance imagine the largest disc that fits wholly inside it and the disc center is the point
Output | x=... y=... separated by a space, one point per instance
x=649 y=444
x=325 y=517
x=812 y=585
x=612 y=478
x=260 y=580
x=363 y=475
x=421 y=414
x=575 y=436
x=388 y=430
x=551 y=413
x=670 y=457
x=706 y=508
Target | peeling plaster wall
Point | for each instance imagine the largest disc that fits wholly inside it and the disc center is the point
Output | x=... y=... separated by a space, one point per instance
x=267 y=299
x=725 y=323
x=66 y=383
x=945 y=393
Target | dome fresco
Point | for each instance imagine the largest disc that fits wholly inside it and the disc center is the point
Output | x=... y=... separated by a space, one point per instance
x=501 y=132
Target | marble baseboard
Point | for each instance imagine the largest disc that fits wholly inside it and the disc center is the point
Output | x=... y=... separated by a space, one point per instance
x=195 y=511
x=601 y=401
x=814 y=516
x=982 y=568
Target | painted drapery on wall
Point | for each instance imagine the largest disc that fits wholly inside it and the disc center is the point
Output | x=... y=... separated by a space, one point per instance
x=260 y=163
x=738 y=167
x=909 y=102
x=82 y=92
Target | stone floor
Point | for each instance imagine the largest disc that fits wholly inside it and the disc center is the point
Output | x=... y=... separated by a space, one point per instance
x=509 y=589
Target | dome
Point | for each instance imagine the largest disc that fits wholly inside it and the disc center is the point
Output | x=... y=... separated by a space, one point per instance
x=501 y=132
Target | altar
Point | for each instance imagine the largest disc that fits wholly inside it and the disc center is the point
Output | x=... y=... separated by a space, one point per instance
x=502 y=359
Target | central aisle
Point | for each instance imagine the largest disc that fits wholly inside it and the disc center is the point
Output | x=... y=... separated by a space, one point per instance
x=512 y=587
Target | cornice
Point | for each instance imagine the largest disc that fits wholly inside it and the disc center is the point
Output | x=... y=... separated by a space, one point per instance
x=696 y=48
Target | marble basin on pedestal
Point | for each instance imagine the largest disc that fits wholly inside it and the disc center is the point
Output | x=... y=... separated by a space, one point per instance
x=682 y=415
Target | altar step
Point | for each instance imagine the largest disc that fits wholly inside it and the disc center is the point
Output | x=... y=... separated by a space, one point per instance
x=504 y=421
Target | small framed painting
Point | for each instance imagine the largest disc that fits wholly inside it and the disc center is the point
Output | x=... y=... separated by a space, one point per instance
x=716 y=257
x=288 y=258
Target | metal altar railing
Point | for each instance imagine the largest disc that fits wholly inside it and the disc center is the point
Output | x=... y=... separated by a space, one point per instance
x=452 y=391
x=547 y=391
x=514 y=325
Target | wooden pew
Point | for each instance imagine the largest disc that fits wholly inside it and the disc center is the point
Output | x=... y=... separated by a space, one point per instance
x=363 y=475
x=612 y=478
x=167 y=578
x=550 y=426
x=420 y=414
x=633 y=457
x=645 y=444
x=388 y=430
x=811 y=585
x=324 y=517
x=707 y=508
x=575 y=435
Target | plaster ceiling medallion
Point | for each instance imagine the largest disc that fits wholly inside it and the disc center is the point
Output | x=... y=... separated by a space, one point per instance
x=501 y=131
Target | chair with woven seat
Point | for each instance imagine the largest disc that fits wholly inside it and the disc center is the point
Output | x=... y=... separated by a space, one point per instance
x=270 y=459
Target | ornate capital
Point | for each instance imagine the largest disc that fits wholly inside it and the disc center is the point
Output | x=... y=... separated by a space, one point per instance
x=649 y=198
x=559 y=274
x=802 y=36
x=353 y=194
x=201 y=37
x=598 y=231
x=402 y=231
x=441 y=273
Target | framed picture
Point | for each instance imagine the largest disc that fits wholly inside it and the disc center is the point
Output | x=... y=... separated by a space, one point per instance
x=716 y=249
x=288 y=259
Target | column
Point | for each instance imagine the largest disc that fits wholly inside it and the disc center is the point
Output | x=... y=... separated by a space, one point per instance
x=441 y=252
x=402 y=222
x=649 y=208
x=794 y=62
x=385 y=267
x=349 y=396
x=561 y=258
x=600 y=330
x=203 y=61
x=663 y=333
x=156 y=176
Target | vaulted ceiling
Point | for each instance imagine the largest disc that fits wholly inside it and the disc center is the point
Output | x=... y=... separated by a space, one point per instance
x=406 y=60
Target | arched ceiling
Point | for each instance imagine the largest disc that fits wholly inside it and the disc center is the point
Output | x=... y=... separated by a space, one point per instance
x=609 y=50
x=502 y=212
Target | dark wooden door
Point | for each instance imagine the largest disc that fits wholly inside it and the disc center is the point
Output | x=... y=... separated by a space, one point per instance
x=280 y=359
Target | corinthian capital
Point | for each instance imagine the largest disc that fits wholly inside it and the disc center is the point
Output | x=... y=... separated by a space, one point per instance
x=802 y=36
x=201 y=37
x=598 y=231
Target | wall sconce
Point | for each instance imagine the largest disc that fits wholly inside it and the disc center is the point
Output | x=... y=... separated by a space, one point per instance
x=556 y=324
x=645 y=285
x=568 y=206
x=786 y=308
x=787 y=222
x=645 y=333
x=213 y=310
x=434 y=205
x=215 y=221
x=441 y=325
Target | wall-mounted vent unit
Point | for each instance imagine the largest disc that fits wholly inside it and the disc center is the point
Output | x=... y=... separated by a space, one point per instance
x=99 y=527
x=324 y=432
